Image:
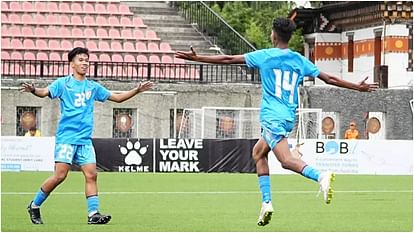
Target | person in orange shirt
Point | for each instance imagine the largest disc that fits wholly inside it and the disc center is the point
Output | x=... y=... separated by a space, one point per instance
x=352 y=132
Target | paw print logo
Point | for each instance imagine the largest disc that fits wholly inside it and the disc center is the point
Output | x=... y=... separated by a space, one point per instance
x=133 y=152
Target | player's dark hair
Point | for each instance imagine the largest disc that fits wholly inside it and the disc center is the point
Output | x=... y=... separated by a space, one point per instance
x=78 y=50
x=284 y=28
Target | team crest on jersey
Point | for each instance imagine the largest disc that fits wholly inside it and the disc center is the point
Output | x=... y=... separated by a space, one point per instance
x=88 y=94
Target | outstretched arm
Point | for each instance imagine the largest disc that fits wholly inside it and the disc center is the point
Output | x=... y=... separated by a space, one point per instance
x=120 y=97
x=216 y=59
x=30 y=87
x=361 y=86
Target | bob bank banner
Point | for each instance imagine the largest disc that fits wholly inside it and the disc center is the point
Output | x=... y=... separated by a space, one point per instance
x=381 y=157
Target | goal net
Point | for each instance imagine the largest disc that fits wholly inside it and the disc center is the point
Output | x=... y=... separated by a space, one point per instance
x=227 y=122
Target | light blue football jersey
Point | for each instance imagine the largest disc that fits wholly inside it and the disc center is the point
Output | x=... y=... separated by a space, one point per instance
x=76 y=108
x=281 y=71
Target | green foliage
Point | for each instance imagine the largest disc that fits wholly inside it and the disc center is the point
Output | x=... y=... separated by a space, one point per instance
x=253 y=20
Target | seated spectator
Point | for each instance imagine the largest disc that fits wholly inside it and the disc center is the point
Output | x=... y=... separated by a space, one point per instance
x=352 y=132
x=33 y=132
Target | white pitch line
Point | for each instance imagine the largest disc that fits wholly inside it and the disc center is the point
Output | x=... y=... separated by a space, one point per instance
x=213 y=192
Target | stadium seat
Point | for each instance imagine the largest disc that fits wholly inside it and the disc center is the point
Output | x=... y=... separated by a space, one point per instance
x=4 y=30
x=76 y=7
x=52 y=7
x=14 y=31
x=5 y=43
x=5 y=55
x=27 y=19
x=40 y=32
x=41 y=56
x=100 y=8
x=142 y=59
x=93 y=57
x=129 y=58
x=101 y=21
x=28 y=44
x=167 y=59
x=78 y=43
x=126 y=22
x=153 y=47
x=137 y=21
x=41 y=6
x=27 y=31
x=101 y=33
x=54 y=56
x=52 y=18
x=41 y=45
x=124 y=9
x=4 y=18
x=126 y=33
x=113 y=21
x=54 y=45
x=16 y=44
x=88 y=20
x=151 y=35
x=4 y=6
x=114 y=33
x=64 y=19
x=129 y=47
x=52 y=32
x=91 y=45
x=77 y=32
x=140 y=46
x=112 y=8
x=89 y=33
x=29 y=56
x=65 y=33
x=154 y=59
x=15 y=6
x=66 y=45
x=138 y=34
x=65 y=58
x=116 y=46
x=27 y=6
x=88 y=8
x=16 y=56
x=165 y=47
x=64 y=7
x=14 y=18
x=76 y=20
x=104 y=46
x=40 y=19
x=179 y=61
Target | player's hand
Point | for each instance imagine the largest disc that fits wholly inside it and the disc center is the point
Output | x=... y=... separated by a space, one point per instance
x=144 y=86
x=190 y=55
x=365 y=87
x=27 y=87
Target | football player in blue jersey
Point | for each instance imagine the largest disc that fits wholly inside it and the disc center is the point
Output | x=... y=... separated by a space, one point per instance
x=77 y=95
x=282 y=71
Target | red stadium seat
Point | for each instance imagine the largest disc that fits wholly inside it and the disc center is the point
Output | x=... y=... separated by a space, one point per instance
x=52 y=7
x=76 y=7
x=27 y=19
x=93 y=57
x=41 y=45
x=40 y=32
x=100 y=8
x=77 y=32
x=40 y=19
x=54 y=45
x=28 y=44
x=15 y=6
x=117 y=58
x=142 y=59
x=4 y=6
x=65 y=33
x=66 y=45
x=126 y=22
x=27 y=6
x=41 y=56
x=5 y=55
x=64 y=7
x=29 y=56
x=151 y=35
x=112 y=8
x=64 y=19
x=88 y=20
x=129 y=58
x=154 y=59
x=140 y=46
x=78 y=43
x=27 y=31
x=52 y=18
x=178 y=61
x=138 y=34
x=14 y=31
x=101 y=21
x=104 y=46
x=76 y=20
x=41 y=6
x=16 y=56
x=54 y=56
x=4 y=18
x=15 y=43
x=91 y=45
x=165 y=47
x=5 y=43
x=153 y=47
x=89 y=33
x=101 y=33
x=113 y=21
x=4 y=30
x=124 y=9
x=14 y=18
x=52 y=32
x=129 y=47
x=126 y=33
x=167 y=59
x=137 y=21
x=114 y=33
x=88 y=8
x=116 y=46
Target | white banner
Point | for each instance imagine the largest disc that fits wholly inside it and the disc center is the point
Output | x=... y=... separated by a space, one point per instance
x=27 y=153
x=381 y=157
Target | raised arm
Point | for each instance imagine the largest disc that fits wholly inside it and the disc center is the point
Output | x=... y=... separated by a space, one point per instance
x=37 y=91
x=361 y=86
x=120 y=97
x=216 y=59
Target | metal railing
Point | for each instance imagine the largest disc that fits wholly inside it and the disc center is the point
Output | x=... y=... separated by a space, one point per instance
x=214 y=27
x=126 y=71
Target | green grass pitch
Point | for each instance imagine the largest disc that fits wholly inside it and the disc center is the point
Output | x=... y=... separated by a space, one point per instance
x=210 y=202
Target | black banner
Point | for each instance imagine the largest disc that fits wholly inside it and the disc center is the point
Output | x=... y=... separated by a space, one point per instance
x=174 y=155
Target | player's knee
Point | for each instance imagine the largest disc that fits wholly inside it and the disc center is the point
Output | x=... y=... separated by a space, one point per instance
x=257 y=153
x=59 y=178
x=92 y=176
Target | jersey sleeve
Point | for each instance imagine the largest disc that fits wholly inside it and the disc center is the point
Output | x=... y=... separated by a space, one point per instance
x=310 y=69
x=254 y=59
x=102 y=94
x=56 y=88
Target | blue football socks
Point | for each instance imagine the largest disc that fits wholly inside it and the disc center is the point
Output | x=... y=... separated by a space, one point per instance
x=93 y=204
x=311 y=173
x=264 y=183
x=39 y=198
